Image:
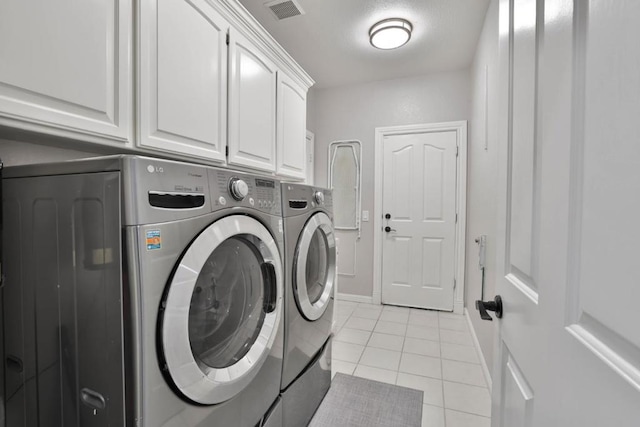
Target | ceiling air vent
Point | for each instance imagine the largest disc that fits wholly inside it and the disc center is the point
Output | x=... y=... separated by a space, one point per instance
x=283 y=9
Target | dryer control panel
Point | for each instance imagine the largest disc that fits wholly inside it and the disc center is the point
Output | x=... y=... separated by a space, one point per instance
x=229 y=189
x=300 y=198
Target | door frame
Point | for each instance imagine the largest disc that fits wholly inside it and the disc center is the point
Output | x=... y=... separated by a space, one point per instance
x=460 y=127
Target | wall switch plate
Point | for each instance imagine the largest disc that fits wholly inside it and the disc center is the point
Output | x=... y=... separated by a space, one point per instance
x=365 y=216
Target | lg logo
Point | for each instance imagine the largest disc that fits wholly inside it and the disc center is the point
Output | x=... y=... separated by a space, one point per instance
x=152 y=169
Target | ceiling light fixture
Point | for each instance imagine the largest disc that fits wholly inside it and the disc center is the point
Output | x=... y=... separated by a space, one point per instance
x=390 y=33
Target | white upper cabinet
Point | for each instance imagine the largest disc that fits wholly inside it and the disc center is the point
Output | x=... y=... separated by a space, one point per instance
x=252 y=105
x=182 y=78
x=65 y=68
x=292 y=129
x=210 y=83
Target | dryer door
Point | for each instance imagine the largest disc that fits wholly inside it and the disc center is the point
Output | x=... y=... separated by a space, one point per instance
x=315 y=266
x=222 y=309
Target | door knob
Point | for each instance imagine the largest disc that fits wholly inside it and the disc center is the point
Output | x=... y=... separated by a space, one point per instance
x=387 y=216
x=495 y=305
x=389 y=229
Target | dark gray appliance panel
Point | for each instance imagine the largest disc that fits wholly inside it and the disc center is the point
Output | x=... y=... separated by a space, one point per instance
x=63 y=301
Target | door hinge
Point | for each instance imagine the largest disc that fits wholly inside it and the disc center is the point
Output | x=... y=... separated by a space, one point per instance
x=455 y=284
x=456 y=218
x=226 y=151
x=227 y=39
x=457 y=148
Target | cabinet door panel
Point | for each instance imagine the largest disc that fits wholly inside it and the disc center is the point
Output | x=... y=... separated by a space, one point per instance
x=292 y=128
x=252 y=106
x=66 y=65
x=183 y=77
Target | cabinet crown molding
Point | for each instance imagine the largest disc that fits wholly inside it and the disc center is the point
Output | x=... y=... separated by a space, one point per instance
x=243 y=21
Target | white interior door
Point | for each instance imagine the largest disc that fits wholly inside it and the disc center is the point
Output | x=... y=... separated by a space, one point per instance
x=419 y=198
x=568 y=344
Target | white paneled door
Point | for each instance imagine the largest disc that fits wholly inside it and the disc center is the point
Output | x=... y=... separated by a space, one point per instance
x=419 y=219
x=568 y=347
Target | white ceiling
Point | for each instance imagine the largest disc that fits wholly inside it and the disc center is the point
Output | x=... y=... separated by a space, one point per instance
x=330 y=41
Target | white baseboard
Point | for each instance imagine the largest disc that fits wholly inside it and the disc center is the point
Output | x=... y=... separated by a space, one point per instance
x=458 y=307
x=354 y=298
x=476 y=343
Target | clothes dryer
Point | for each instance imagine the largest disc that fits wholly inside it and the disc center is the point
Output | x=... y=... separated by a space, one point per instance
x=142 y=292
x=310 y=269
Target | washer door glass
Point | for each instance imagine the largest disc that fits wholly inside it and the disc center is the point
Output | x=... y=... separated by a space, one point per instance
x=227 y=305
x=222 y=310
x=315 y=266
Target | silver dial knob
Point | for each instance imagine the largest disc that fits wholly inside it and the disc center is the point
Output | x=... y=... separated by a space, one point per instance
x=238 y=188
x=318 y=196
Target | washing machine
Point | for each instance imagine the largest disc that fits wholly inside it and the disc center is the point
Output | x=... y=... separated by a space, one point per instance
x=142 y=292
x=310 y=269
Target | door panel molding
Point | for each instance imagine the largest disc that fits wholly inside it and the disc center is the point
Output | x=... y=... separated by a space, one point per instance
x=428 y=210
x=615 y=351
x=523 y=287
x=518 y=397
x=523 y=168
x=460 y=128
x=590 y=319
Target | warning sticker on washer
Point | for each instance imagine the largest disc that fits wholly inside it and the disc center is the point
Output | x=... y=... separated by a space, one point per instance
x=154 y=240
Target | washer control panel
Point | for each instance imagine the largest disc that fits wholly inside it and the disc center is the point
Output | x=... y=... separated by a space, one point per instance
x=229 y=189
x=238 y=188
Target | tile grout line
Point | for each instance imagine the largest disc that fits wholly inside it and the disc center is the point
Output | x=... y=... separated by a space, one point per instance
x=444 y=404
x=468 y=413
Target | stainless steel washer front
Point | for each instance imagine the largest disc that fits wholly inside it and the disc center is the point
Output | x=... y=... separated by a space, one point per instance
x=221 y=313
x=149 y=294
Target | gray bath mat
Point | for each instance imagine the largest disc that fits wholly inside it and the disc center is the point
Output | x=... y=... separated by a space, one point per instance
x=358 y=402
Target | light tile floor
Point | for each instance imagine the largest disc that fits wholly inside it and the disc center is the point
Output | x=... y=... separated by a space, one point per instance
x=421 y=349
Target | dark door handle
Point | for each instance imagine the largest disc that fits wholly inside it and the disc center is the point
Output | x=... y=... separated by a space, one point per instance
x=14 y=363
x=92 y=399
x=484 y=306
x=389 y=229
x=270 y=286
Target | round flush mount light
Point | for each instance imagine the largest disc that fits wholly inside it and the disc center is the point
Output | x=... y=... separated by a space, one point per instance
x=390 y=33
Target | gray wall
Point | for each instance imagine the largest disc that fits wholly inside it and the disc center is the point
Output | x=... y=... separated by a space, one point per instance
x=482 y=179
x=353 y=112
x=311 y=110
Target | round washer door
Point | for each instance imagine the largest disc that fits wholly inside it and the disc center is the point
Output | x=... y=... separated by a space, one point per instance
x=315 y=266
x=222 y=310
